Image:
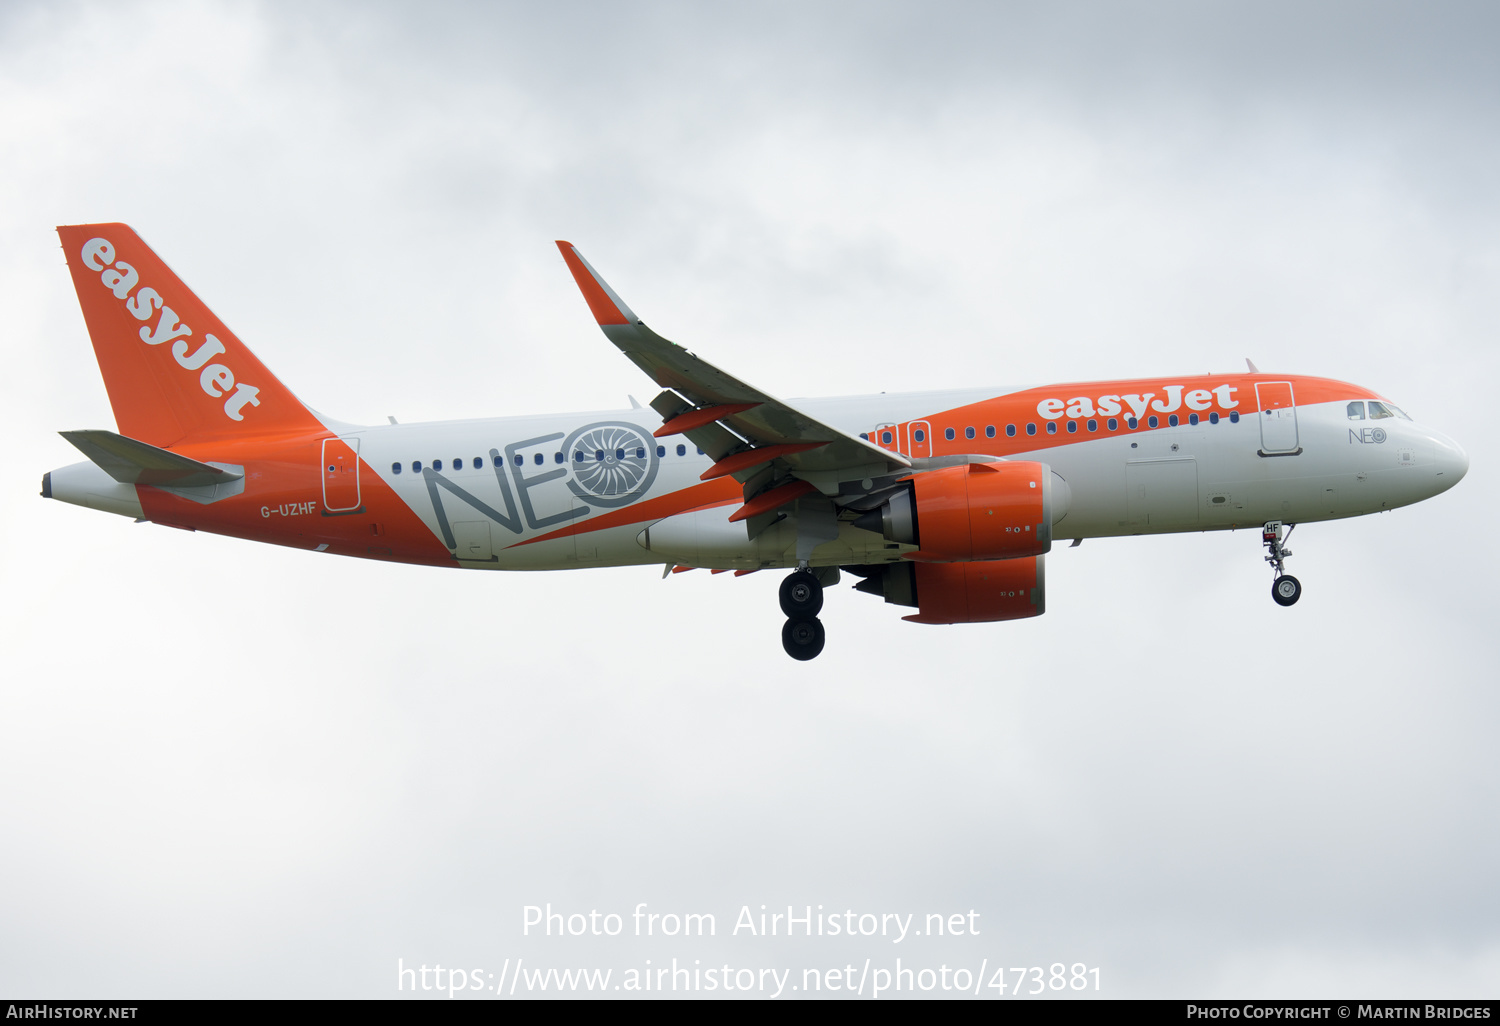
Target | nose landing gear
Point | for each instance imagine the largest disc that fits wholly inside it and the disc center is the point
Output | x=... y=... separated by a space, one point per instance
x=1285 y=589
x=801 y=599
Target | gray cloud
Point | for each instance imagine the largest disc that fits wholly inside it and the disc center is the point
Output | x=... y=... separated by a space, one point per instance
x=240 y=771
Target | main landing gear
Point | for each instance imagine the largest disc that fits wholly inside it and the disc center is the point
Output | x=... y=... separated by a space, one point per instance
x=1285 y=589
x=801 y=600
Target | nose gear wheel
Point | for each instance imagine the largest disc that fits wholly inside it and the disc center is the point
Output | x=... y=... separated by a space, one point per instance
x=1285 y=589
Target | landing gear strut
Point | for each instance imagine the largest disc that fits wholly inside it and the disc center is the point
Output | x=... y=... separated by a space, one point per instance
x=801 y=598
x=1285 y=589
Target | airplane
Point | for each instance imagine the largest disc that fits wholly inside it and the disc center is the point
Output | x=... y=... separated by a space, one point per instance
x=944 y=502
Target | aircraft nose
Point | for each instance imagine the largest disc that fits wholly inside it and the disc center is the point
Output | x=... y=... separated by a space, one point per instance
x=1451 y=461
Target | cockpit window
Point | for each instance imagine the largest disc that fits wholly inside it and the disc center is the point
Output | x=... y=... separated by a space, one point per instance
x=1356 y=411
x=1378 y=411
x=1398 y=411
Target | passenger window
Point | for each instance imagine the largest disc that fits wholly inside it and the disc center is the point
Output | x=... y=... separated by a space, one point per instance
x=640 y=453
x=496 y=460
x=989 y=431
x=598 y=455
x=395 y=468
x=1114 y=424
x=1172 y=420
x=1031 y=429
x=1153 y=421
x=1093 y=425
x=968 y=432
x=1234 y=416
x=1193 y=419
x=416 y=467
x=520 y=460
x=458 y=464
x=919 y=435
x=1357 y=411
x=437 y=464
x=885 y=438
x=1379 y=412
x=1213 y=418
x=1131 y=423
x=619 y=454
x=948 y=434
x=700 y=450
x=661 y=450
x=578 y=457
x=682 y=450
x=558 y=458
x=1072 y=427
x=538 y=459
x=1010 y=431
x=1051 y=427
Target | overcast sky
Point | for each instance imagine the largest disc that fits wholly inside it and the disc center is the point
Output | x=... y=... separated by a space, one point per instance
x=234 y=770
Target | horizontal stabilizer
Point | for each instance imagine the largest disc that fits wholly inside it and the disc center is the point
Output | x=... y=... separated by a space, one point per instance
x=131 y=462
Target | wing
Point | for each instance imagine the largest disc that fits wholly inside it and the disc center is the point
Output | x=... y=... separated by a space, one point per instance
x=774 y=449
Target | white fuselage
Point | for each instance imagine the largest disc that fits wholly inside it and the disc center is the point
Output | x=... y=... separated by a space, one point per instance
x=1169 y=479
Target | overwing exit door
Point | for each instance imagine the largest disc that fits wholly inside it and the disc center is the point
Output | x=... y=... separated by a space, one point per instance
x=341 y=475
x=911 y=439
x=1277 y=413
x=920 y=433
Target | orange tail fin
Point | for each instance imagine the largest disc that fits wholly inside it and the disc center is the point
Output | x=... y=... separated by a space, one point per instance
x=173 y=371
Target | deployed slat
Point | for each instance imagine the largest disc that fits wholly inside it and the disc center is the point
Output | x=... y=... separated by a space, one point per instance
x=684 y=422
x=741 y=461
x=765 y=502
x=669 y=404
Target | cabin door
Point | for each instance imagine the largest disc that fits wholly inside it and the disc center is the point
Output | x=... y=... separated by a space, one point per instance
x=341 y=475
x=1277 y=413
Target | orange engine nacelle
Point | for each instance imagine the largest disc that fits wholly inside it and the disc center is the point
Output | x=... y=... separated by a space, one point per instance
x=982 y=591
x=1001 y=510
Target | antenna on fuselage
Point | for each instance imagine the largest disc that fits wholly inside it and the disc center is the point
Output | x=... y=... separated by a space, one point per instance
x=1251 y=364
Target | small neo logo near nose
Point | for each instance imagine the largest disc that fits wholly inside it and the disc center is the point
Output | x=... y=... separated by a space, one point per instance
x=1367 y=436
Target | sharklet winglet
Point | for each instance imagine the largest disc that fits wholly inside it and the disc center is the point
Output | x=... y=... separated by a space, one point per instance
x=606 y=306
